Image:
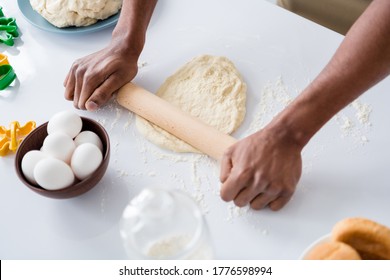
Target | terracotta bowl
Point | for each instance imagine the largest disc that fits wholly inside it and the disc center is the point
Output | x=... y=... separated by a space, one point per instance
x=34 y=141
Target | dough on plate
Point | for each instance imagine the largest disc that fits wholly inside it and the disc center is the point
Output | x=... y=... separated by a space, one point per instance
x=64 y=13
x=209 y=88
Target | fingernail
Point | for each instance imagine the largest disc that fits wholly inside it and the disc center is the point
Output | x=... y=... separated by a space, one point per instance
x=92 y=106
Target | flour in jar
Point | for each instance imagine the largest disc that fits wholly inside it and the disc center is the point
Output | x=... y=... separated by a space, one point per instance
x=209 y=88
x=176 y=245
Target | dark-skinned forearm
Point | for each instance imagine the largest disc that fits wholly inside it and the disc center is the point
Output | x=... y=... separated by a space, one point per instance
x=131 y=28
x=362 y=60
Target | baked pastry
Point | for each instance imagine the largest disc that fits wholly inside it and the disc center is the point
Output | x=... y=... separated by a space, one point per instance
x=333 y=250
x=370 y=239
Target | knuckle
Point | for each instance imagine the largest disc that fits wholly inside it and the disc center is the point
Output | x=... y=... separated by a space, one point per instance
x=288 y=190
x=283 y=189
x=229 y=151
x=81 y=104
x=275 y=207
x=225 y=195
x=260 y=180
x=256 y=206
x=240 y=202
x=243 y=173
x=278 y=204
x=68 y=96
x=274 y=189
x=101 y=95
x=76 y=65
x=80 y=71
x=240 y=199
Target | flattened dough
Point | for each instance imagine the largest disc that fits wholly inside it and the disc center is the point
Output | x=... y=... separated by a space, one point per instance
x=209 y=88
x=64 y=13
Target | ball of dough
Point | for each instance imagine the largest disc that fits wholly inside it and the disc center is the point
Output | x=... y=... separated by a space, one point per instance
x=64 y=13
x=209 y=88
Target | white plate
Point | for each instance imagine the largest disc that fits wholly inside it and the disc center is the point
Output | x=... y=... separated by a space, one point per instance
x=37 y=20
x=319 y=241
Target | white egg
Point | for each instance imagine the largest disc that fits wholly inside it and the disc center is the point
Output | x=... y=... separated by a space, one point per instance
x=59 y=145
x=53 y=174
x=88 y=137
x=29 y=161
x=67 y=122
x=85 y=160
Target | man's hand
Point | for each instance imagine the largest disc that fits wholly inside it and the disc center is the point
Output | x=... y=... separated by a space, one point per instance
x=262 y=170
x=93 y=79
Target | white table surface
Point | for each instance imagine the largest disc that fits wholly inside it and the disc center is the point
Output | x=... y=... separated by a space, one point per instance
x=346 y=166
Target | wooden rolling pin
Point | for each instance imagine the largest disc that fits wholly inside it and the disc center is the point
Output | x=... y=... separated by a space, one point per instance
x=202 y=136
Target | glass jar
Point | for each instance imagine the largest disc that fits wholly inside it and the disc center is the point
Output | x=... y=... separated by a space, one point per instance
x=164 y=224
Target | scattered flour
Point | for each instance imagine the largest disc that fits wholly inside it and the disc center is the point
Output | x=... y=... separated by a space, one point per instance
x=128 y=122
x=142 y=64
x=122 y=173
x=273 y=98
x=235 y=212
x=354 y=122
x=117 y=117
x=363 y=112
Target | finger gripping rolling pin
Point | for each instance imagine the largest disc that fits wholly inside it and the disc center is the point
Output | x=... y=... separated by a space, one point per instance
x=201 y=136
